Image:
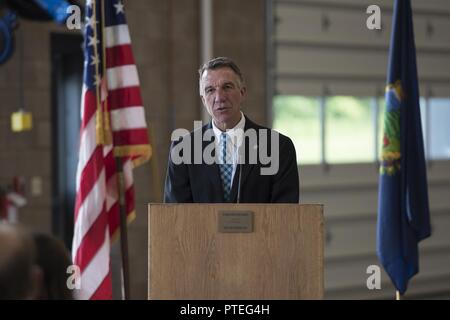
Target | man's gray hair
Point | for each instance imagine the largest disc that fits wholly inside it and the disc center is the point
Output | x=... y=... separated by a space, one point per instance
x=221 y=62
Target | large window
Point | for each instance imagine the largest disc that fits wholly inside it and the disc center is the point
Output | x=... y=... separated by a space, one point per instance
x=298 y=118
x=347 y=129
x=439 y=128
x=349 y=136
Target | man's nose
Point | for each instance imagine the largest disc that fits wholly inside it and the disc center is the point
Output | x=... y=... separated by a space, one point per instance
x=220 y=95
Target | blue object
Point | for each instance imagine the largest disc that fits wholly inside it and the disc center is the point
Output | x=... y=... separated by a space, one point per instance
x=6 y=26
x=403 y=211
x=57 y=9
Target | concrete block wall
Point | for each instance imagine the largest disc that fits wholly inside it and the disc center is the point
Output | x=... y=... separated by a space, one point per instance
x=28 y=154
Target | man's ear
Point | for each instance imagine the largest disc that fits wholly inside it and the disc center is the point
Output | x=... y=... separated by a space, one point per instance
x=203 y=101
x=244 y=92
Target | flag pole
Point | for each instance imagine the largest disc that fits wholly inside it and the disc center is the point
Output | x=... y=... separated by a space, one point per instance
x=123 y=230
x=397 y=295
x=120 y=179
x=99 y=116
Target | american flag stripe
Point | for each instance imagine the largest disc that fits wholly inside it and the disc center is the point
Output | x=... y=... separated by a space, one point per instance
x=128 y=118
x=97 y=209
x=119 y=56
x=117 y=35
x=114 y=220
x=97 y=276
x=84 y=93
x=128 y=173
x=104 y=289
x=125 y=137
x=122 y=77
x=122 y=98
x=87 y=149
x=89 y=109
x=90 y=209
x=91 y=173
x=111 y=195
x=93 y=239
x=111 y=198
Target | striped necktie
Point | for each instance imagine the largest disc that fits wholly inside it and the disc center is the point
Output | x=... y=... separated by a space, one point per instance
x=225 y=165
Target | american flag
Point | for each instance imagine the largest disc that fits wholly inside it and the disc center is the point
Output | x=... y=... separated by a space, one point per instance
x=113 y=124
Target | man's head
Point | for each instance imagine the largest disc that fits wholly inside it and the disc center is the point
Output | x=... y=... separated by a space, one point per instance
x=53 y=259
x=222 y=90
x=19 y=276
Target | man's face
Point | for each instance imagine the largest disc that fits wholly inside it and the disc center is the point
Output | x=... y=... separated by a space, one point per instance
x=222 y=95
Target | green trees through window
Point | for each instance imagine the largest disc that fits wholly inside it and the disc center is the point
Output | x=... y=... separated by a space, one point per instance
x=348 y=135
x=350 y=125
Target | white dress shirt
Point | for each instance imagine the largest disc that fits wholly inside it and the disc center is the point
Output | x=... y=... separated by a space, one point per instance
x=236 y=135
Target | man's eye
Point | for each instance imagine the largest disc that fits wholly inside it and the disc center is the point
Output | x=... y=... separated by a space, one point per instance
x=209 y=90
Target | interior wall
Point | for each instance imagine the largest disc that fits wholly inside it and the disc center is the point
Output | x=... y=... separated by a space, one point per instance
x=324 y=45
x=165 y=40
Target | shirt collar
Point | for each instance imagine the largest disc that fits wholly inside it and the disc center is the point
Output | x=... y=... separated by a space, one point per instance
x=235 y=133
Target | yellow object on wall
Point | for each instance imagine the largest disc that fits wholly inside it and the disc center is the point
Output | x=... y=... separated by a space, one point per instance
x=21 y=121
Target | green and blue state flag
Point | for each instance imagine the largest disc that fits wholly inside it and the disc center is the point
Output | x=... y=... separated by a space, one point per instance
x=403 y=211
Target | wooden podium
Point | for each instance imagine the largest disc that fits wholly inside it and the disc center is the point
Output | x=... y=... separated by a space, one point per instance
x=280 y=258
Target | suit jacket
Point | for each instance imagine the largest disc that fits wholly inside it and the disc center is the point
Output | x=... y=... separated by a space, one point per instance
x=201 y=183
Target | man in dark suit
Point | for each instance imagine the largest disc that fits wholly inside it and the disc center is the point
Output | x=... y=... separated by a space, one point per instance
x=253 y=164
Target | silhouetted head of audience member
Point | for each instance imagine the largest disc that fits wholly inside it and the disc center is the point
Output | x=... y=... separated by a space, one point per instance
x=19 y=276
x=53 y=258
